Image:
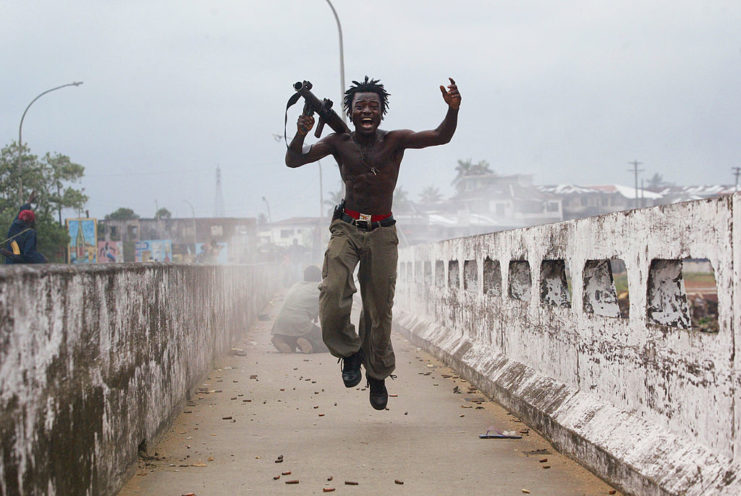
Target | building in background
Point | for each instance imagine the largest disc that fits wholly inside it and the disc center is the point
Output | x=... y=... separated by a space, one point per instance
x=297 y=241
x=481 y=203
x=185 y=236
x=674 y=194
x=586 y=201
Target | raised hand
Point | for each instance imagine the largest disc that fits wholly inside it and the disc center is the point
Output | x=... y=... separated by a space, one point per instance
x=451 y=97
x=304 y=124
x=32 y=198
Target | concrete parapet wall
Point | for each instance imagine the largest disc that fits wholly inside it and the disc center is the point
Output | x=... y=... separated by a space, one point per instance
x=95 y=360
x=531 y=316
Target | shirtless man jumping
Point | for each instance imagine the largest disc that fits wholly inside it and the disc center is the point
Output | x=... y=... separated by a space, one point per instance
x=363 y=229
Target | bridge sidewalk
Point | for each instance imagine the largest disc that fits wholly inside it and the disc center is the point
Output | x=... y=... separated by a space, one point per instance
x=256 y=408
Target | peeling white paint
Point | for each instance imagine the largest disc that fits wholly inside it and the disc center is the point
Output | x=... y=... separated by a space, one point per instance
x=648 y=405
x=667 y=298
x=93 y=360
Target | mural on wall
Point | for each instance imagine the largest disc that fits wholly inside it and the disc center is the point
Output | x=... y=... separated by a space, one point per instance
x=212 y=253
x=110 y=252
x=83 y=241
x=154 y=250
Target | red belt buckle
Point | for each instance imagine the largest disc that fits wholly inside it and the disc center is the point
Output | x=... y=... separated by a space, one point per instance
x=365 y=218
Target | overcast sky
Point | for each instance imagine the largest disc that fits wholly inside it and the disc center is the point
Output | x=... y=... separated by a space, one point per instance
x=567 y=91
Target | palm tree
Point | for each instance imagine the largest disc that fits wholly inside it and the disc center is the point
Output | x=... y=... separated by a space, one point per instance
x=468 y=168
x=335 y=197
x=481 y=168
x=430 y=195
x=401 y=200
x=463 y=168
x=656 y=181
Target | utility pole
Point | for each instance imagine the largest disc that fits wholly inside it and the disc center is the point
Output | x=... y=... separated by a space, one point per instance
x=219 y=196
x=736 y=172
x=635 y=170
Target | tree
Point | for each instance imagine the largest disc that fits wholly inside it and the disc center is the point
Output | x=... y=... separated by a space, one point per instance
x=430 y=195
x=463 y=168
x=51 y=179
x=402 y=203
x=657 y=182
x=163 y=213
x=62 y=170
x=122 y=213
x=481 y=168
x=335 y=197
x=468 y=168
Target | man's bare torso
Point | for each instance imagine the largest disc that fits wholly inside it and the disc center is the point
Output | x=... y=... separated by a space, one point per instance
x=368 y=171
x=369 y=158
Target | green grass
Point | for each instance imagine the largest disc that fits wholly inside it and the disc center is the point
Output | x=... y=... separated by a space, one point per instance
x=699 y=278
x=621 y=282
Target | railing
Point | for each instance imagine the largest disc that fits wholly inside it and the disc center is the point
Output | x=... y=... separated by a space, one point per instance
x=96 y=361
x=633 y=312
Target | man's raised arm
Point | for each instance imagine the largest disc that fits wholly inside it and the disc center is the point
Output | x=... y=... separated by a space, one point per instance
x=444 y=132
x=295 y=156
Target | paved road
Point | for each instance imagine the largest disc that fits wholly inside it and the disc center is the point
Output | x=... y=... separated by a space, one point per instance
x=254 y=409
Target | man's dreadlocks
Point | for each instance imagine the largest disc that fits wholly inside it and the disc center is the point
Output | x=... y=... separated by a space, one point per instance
x=367 y=86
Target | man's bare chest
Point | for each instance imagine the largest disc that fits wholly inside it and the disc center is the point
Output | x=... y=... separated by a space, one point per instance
x=380 y=158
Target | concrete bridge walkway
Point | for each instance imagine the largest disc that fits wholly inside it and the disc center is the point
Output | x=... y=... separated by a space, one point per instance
x=256 y=409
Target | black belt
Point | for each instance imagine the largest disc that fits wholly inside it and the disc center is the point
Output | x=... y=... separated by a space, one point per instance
x=368 y=226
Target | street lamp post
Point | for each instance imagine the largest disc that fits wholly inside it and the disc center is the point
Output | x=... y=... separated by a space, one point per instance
x=20 y=135
x=270 y=217
x=342 y=61
x=342 y=78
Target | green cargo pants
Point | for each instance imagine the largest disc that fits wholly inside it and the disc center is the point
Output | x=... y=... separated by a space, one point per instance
x=376 y=251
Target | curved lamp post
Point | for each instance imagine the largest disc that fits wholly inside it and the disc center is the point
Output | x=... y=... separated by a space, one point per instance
x=270 y=217
x=342 y=83
x=20 y=134
x=342 y=61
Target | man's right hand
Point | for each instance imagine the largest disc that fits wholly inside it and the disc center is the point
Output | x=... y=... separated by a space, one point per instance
x=32 y=198
x=304 y=124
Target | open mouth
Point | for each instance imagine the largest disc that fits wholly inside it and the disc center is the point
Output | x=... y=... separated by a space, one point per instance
x=366 y=122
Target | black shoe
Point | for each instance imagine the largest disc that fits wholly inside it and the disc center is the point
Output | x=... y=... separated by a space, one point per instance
x=351 y=369
x=379 y=397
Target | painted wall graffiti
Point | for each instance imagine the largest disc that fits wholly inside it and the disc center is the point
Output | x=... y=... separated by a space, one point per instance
x=83 y=244
x=154 y=250
x=110 y=252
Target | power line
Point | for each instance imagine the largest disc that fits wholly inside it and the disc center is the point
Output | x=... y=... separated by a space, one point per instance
x=635 y=170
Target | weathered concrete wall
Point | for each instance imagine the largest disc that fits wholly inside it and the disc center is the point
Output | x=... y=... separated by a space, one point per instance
x=647 y=402
x=93 y=361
